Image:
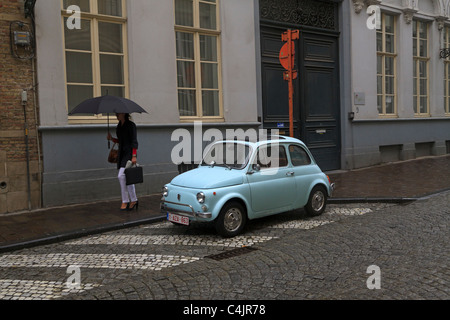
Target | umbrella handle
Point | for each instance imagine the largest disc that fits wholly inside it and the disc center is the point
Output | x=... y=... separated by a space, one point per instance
x=109 y=142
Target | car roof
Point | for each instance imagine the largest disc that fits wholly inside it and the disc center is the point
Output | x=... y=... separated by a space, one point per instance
x=273 y=138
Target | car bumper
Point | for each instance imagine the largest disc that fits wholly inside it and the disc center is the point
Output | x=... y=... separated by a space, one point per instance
x=188 y=212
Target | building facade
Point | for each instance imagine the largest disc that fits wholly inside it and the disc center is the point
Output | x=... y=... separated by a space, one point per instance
x=398 y=88
x=184 y=61
x=373 y=85
x=20 y=161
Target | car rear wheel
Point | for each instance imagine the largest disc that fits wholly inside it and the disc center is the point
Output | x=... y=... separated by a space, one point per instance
x=231 y=220
x=317 y=201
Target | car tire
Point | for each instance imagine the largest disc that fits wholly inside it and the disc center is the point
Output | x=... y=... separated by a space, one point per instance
x=317 y=201
x=231 y=220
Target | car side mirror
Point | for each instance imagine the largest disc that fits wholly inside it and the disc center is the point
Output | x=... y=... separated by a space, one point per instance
x=255 y=168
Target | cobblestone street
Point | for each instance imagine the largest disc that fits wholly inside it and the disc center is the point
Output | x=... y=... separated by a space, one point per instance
x=295 y=258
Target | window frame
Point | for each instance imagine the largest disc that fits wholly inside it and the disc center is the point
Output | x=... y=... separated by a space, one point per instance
x=417 y=59
x=385 y=54
x=197 y=32
x=95 y=18
x=446 y=61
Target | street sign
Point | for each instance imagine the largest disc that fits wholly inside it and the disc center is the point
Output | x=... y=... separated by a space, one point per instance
x=284 y=60
x=287 y=60
x=284 y=55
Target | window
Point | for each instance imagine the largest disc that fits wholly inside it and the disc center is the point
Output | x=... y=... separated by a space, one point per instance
x=447 y=72
x=299 y=157
x=272 y=156
x=420 y=67
x=95 y=54
x=386 y=66
x=197 y=56
x=231 y=155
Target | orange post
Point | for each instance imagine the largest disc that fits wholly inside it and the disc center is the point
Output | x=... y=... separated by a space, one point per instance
x=287 y=60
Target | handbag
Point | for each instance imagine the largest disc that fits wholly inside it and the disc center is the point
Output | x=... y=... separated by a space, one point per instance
x=113 y=154
x=134 y=175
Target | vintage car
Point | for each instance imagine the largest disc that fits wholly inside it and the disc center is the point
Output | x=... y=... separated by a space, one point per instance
x=239 y=181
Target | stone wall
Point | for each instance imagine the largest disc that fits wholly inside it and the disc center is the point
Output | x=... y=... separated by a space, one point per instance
x=16 y=76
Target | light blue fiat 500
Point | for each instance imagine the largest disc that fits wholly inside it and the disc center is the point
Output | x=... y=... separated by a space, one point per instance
x=239 y=181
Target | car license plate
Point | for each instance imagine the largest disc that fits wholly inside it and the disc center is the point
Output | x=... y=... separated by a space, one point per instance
x=178 y=219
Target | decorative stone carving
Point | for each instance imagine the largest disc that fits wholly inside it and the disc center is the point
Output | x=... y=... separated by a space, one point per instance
x=410 y=7
x=358 y=5
x=320 y=14
x=440 y=22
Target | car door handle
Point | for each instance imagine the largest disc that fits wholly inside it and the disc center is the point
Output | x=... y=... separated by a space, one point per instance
x=290 y=173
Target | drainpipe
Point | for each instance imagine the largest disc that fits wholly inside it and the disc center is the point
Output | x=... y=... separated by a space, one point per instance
x=24 y=104
x=38 y=143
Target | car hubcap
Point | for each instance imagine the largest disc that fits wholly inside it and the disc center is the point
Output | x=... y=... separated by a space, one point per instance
x=318 y=201
x=233 y=219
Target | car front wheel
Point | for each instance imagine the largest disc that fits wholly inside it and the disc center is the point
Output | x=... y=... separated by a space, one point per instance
x=231 y=220
x=317 y=201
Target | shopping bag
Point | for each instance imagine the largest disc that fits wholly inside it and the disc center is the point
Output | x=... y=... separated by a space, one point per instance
x=134 y=175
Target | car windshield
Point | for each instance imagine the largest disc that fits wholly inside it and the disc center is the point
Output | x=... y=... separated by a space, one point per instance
x=228 y=154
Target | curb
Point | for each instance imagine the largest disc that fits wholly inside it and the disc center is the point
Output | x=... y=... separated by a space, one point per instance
x=372 y=200
x=78 y=234
x=399 y=200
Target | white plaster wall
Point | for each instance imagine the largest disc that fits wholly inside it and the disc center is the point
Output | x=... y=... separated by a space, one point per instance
x=363 y=65
x=239 y=60
x=152 y=61
x=50 y=64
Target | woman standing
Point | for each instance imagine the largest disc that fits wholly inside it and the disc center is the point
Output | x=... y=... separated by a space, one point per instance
x=128 y=145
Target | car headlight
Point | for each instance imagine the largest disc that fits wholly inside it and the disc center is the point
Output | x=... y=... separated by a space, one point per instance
x=165 y=191
x=201 y=197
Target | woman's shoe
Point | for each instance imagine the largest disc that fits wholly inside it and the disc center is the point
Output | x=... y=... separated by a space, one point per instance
x=133 y=205
x=124 y=206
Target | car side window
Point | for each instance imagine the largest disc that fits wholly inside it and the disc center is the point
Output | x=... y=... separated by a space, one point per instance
x=299 y=156
x=272 y=157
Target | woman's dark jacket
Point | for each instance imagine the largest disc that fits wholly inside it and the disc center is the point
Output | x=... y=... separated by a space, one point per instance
x=127 y=136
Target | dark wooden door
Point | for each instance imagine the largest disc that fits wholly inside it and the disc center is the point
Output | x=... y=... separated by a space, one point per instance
x=319 y=101
x=316 y=91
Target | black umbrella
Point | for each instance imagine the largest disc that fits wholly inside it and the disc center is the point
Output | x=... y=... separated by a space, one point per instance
x=107 y=104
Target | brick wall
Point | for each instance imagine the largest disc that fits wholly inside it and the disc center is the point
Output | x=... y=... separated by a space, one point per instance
x=17 y=75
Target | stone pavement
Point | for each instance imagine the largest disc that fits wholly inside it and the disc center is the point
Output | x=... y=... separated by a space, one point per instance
x=402 y=181
x=408 y=245
x=406 y=179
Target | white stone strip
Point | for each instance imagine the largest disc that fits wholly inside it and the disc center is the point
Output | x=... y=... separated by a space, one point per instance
x=107 y=261
x=320 y=221
x=349 y=211
x=38 y=290
x=305 y=225
x=186 y=240
x=160 y=225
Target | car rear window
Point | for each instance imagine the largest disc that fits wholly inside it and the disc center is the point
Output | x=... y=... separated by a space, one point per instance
x=272 y=156
x=299 y=156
